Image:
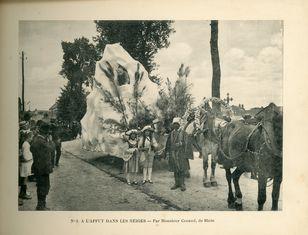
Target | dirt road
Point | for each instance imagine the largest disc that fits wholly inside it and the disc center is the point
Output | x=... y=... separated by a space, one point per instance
x=84 y=182
x=79 y=186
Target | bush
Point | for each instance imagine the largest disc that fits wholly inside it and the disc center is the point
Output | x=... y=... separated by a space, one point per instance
x=175 y=100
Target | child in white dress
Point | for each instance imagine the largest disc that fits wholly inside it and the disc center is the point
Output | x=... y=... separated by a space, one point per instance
x=131 y=160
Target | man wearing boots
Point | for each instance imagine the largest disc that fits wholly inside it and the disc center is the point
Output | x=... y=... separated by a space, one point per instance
x=175 y=154
x=190 y=140
x=42 y=165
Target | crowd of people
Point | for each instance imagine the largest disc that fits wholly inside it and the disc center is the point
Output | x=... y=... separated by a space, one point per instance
x=39 y=154
x=40 y=151
x=142 y=148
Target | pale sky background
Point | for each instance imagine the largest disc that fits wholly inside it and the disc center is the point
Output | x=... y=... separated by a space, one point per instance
x=251 y=58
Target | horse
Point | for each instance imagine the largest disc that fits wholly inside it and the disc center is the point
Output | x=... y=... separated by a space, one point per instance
x=253 y=148
x=201 y=131
x=209 y=145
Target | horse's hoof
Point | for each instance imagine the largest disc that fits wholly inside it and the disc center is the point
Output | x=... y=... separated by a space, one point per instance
x=231 y=205
x=274 y=209
x=207 y=184
x=238 y=207
x=260 y=208
x=214 y=183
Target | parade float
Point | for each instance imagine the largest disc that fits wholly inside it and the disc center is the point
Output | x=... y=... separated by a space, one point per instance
x=122 y=94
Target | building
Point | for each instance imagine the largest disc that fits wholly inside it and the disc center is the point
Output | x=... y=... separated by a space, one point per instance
x=53 y=111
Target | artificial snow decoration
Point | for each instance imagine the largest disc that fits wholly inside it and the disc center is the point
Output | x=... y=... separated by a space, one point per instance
x=120 y=89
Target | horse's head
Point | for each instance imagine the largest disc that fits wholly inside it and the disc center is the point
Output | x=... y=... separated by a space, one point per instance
x=206 y=121
x=272 y=121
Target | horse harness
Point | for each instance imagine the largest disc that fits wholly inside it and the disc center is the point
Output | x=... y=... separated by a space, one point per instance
x=266 y=143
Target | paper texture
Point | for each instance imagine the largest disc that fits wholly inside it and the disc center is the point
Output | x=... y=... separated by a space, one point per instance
x=294 y=215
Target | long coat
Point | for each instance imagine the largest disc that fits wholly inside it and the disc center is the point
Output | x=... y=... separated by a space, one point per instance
x=42 y=153
x=175 y=149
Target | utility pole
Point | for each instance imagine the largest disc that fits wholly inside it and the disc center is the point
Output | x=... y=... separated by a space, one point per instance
x=22 y=82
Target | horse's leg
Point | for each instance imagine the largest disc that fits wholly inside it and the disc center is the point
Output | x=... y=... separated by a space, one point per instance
x=277 y=168
x=231 y=198
x=213 y=167
x=206 y=181
x=238 y=194
x=261 y=191
x=275 y=192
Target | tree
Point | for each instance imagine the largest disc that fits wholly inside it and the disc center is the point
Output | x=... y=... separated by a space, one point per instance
x=79 y=59
x=177 y=99
x=141 y=39
x=215 y=63
x=78 y=67
x=71 y=104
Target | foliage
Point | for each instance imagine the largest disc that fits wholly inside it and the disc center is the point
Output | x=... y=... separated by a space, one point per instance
x=143 y=117
x=71 y=104
x=79 y=59
x=141 y=39
x=175 y=100
x=141 y=114
x=116 y=102
x=78 y=67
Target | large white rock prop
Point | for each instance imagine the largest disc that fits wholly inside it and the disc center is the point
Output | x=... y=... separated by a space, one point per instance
x=98 y=133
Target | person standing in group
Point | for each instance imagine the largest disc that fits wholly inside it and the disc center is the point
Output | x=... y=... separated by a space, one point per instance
x=131 y=156
x=58 y=145
x=21 y=138
x=42 y=164
x=26 y=161
x=190 y=140
x=147 y=147
x=52 y=147
x=178 y=163
x=57 y=142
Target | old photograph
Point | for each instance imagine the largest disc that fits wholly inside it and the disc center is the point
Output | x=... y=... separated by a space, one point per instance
x=150 y=115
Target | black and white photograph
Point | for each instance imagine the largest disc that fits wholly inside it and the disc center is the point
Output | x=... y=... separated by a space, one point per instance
x=150 y=115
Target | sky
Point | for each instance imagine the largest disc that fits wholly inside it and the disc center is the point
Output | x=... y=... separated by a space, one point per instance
x=251 y=59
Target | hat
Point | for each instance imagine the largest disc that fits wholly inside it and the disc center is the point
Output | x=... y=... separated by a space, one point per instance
x=26 y=133
x=147 y=128
x=176 y=120
x=23 y=125
x=44 y=128
x=132 y=131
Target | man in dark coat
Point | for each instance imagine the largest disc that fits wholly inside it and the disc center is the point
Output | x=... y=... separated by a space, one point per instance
x=42 y=165
x=57 y=141
x=58 y=144
x=52 y=146
x=175 y=153
x=190 y=140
